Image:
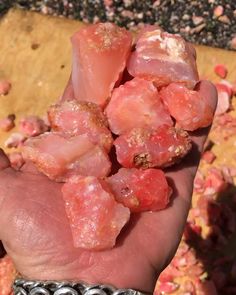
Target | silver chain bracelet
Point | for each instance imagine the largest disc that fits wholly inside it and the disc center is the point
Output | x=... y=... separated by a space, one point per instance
x=27 y=287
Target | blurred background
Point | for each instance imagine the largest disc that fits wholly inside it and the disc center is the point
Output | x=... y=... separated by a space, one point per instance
x=209 y=22
x=205 y=262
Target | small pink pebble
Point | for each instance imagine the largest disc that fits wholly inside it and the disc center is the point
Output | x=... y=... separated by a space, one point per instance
x=196 y=229
x=198 y=183
x=5 y=87
x=6 y=124
x=226 y=85
x=208 y=156
x=165 y=277
x=7 y=275
x=223 y=103
x=96 y=219
x=15 y=140
x=168 y=287
x=221 y=71
x=218 y=11
x=214 y=182
x=32 y=126
x=197 y=20
x=107 y=2
x=16 y=160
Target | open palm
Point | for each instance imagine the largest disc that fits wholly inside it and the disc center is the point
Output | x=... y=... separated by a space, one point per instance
x=35 y=231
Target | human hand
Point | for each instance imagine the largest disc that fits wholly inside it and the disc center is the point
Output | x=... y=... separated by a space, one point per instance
x=35 y=230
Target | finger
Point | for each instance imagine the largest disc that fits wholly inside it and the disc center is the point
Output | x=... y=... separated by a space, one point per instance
x=208 y=91
x=68 y=93
x=192 y=49
x=4 y=161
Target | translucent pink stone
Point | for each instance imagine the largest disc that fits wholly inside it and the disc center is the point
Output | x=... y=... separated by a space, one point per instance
x=76 y=118
x=96 y=219
x=163 y=58
x=140 y=190
x=190 y=110
x=59 y=157
x=136 y=104
x=145 y=148
x=100 y=53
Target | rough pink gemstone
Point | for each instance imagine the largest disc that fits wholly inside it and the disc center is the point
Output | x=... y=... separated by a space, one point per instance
x=163 y=58
x=136 y=104
x=96 y=219
x=5 y=87
x=224 y=98
x=190 y=110
x=140 y=190
x=8 y=123
x=146 y=148
x=100 y=52
x=76 y=118
x=59 y=157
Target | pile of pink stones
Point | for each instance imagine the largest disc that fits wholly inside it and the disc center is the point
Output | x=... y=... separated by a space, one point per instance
x=140 y=98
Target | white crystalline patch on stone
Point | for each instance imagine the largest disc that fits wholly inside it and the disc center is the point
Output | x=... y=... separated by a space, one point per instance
x=90 y=188
x=153 y=36
x=174 y=48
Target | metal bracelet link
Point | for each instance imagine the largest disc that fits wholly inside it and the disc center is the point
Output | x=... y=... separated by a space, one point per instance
x=25 y=287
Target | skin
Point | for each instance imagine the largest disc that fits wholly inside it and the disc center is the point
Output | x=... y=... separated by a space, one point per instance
x=35 y=231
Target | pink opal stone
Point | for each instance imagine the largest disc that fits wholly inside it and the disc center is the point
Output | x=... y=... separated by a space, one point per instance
x=59 y=157
x=145 y=148
x=8 y=123
x=5 y=87
x=163 y=58
x=136 y=104
x=76 y=118
x=190 y=110
x=140 y=190
x=100 y=53
x=96 y=219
